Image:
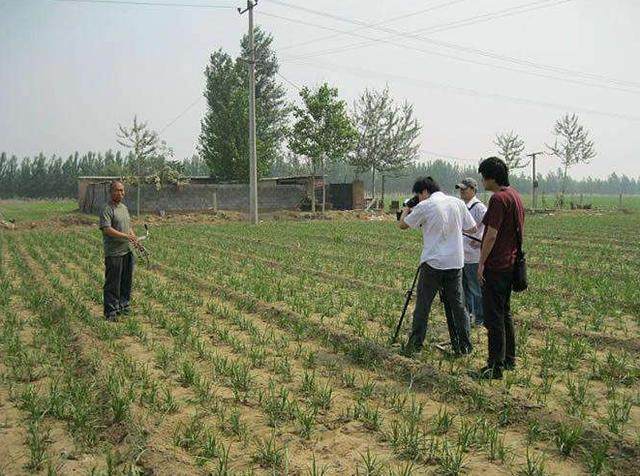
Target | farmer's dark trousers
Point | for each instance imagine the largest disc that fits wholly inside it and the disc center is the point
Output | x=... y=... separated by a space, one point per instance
x=496 y=301
x=449 y=281
x=118 y=276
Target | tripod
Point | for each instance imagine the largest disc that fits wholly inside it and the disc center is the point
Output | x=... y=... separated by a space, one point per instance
x=408 y=295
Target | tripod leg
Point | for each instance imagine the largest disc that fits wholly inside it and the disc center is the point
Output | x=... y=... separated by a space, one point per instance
x=406 y=305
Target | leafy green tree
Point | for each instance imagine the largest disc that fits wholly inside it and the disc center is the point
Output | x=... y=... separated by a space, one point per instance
x=323 y=131
x=224 y=141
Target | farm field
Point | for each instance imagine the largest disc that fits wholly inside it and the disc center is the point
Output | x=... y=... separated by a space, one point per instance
x=36 y=210
x=265 y=350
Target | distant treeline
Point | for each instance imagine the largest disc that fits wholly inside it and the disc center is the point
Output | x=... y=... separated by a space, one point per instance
x=56 y=177
x=448 y=174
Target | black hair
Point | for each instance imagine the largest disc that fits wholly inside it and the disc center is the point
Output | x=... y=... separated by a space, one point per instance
x=426 y=183
x=495 y=168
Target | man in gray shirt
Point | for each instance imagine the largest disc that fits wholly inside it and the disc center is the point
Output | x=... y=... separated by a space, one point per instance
x=472 y=289
x=117 y=237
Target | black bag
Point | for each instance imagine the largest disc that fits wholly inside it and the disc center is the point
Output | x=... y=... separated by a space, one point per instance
x=520 y=281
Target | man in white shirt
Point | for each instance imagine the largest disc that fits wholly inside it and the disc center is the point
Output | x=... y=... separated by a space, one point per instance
x=470 y=284
x=443 y=219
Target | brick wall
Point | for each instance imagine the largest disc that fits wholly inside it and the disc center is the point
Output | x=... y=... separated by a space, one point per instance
x=194 y=197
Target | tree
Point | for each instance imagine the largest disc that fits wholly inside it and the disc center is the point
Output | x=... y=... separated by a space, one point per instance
x=510 y=147
x=149 y=152
x=387 y=134
x=322 y=132
x=572 y=146
x=224 y=137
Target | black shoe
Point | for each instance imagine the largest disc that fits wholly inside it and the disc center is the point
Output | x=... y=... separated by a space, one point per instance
x=125 y=312
x=489 y=373
x=111 y=318
x=409 y=350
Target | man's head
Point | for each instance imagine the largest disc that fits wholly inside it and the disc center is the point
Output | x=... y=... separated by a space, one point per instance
x=117 y=191
x=495 y=174
x=424 y=187
x=467 y=188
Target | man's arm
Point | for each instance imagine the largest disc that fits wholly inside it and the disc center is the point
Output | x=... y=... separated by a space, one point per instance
x=401 y=223
x=487 y=245
x=113 y=233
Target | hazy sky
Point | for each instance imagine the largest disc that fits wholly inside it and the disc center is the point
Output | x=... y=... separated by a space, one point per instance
x=71 y=71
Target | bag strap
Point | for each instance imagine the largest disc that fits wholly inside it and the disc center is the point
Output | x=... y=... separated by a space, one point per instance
x=472 y=205
x=518 y=229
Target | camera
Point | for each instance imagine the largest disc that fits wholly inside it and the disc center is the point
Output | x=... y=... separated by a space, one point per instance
x=409 y=202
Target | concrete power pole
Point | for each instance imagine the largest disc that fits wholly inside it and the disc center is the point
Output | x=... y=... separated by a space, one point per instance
x=534 y=180
x=253 y=166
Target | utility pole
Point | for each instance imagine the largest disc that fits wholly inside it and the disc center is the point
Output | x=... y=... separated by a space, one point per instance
x=253 y=167
x=534 y=180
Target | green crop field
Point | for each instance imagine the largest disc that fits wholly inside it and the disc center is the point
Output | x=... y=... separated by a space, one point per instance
x=265 y=350
x=36 y=210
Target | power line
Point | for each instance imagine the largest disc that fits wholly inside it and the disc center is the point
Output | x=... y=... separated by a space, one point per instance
x=485 y=17
x=507 y=12
x=367 y=73
x=389 y=20
x=149 y=4
x=437 y=53
x=175 y=119
x=288 y=81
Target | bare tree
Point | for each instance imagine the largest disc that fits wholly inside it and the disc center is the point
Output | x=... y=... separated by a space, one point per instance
x=510 y=147
x=145 y=145
x=387 y=134
x=572 y=145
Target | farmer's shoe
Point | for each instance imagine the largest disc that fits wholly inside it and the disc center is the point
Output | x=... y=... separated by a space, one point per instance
x=111 y=317
x=125 y=311
x=489 y=373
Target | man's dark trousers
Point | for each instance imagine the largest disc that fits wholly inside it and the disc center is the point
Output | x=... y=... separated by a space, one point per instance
x=496 y=301
x=118 y=276
x=430 y=281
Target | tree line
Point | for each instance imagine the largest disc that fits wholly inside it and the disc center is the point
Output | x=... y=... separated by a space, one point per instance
x=56 y=177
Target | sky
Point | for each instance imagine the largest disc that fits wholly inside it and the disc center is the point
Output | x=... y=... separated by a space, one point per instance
x=71 y=71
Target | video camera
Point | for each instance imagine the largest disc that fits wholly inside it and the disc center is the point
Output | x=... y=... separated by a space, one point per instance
x=409 y=202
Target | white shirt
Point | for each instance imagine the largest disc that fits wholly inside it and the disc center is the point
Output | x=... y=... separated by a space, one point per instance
x=442 y=218
x=472 y=255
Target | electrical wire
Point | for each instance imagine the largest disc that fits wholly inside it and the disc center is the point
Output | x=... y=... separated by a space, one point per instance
x=389 y=20
x=175 y=119
x=466 y=49
x=368 y=73
x=438 y=53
